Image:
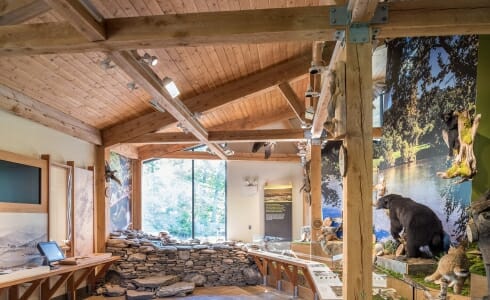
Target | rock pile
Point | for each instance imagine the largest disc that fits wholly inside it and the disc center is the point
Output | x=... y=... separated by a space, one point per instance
x=143 y=260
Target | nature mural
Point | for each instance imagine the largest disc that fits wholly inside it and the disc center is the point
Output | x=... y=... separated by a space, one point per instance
x=426 y=77
x=120 y=194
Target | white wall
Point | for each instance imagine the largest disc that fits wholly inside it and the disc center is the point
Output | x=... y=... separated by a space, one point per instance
x=246 y=209
x=22 y=136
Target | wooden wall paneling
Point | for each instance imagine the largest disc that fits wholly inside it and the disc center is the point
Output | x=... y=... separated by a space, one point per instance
x=357 y=190
x=136 y=212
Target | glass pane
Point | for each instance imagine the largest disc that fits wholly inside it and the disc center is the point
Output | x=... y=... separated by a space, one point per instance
x=209 y=199
x=167 y=197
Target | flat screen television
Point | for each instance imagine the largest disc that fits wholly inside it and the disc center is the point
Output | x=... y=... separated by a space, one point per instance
x=51 y=251
x=19 y=183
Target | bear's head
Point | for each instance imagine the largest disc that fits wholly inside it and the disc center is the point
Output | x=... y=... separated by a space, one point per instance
x=385 y=201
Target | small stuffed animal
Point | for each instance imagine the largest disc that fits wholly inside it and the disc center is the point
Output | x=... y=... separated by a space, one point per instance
x=453 y=267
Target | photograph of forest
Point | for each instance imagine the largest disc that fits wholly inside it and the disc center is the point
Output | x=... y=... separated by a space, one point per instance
x=425 y=77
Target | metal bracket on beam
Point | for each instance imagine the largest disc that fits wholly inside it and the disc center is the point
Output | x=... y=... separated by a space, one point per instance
x=339 y=15
x=359 y=33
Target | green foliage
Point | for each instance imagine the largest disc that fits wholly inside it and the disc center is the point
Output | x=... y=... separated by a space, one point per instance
x=419 y=278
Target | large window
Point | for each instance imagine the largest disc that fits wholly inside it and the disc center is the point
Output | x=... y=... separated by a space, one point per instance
x=187 y=198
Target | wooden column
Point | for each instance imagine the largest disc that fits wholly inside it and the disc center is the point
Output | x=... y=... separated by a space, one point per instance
x=357 y=183
x=136 y=207
x=71 y=252
x=101 y=205
x=316 y=191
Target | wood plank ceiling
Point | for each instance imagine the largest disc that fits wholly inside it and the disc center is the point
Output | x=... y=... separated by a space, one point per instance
x=78 y=85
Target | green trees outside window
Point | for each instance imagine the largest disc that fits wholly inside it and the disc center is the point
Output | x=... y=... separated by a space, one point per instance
x=187 y=198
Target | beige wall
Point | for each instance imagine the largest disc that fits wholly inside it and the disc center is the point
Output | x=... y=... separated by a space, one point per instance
x=31 y=139
x=246 y=208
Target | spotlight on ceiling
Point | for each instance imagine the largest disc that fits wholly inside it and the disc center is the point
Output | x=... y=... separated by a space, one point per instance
x=106 y=64
x=150 y=60
x=170 y=86
x=157 y=106
x=131 y=86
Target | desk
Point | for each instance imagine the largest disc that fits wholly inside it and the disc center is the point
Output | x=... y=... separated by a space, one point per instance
x=91 y=268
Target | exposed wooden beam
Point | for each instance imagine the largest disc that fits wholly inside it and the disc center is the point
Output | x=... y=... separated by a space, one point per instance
x=210 y=100
x=236 y=156
x=79 y=17
x=294 y=102
x=146 y=78
x=357 y=182
x=280 y=135
x=193 y=29
x=17 y=11
x=149 y=151
x=321 y=112
x=126 y=150
x=29 y=108
x=437 y=17
x=362 y=10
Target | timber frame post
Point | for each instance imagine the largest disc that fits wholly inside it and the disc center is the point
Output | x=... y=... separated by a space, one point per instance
x=357 y=183
x=101 y=201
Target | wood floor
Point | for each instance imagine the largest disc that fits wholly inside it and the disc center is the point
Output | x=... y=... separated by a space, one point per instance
x=226 y=293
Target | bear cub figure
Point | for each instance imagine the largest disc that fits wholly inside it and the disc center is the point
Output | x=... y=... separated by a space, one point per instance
x=420 y=224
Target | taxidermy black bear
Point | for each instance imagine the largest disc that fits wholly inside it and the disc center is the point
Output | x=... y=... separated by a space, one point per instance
x=450 y=133
x=420 y=224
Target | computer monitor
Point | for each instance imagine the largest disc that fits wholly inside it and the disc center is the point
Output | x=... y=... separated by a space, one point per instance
x=51 y=251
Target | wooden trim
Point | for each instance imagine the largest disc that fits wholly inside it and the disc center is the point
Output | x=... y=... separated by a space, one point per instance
x=136 y=213
x=29 y=108
x=225 y=94
x=23 y=207
x=77 y=15
x=101 y=220
x=294 y=102
x=19 y=11
x=191 y=29
x=316 y=191
x=205 y=155
x=126 y=150
x=71 y=252
x=245 y=136
x=47 y=158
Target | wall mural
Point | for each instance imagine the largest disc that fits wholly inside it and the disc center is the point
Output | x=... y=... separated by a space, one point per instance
x=84 y=211
x=120 y=194
x=20 y=233
x=426 y=78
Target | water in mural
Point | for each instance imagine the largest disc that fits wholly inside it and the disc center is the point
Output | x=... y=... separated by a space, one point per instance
x=426 y=77
x=120 y=194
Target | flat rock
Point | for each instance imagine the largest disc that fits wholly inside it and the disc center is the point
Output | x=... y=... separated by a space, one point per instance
x=137 y=257
x=175 y=289
x=139 y=295
x=114 y=290
x=198 y=279
x=200 y=247
x=208 y=251
x=155 y=281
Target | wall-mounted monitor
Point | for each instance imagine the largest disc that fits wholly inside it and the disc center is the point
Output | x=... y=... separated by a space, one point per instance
x=23 y=183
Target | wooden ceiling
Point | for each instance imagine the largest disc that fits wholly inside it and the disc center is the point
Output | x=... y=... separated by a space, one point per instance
x=52 y=65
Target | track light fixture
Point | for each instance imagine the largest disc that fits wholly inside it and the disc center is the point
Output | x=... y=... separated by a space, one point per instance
x=150 y=60
x=106 y=64
x=171 y=87
x=131 y=86
x=157 y=106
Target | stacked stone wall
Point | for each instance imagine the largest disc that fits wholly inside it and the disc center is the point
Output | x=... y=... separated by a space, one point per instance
x=205 y=265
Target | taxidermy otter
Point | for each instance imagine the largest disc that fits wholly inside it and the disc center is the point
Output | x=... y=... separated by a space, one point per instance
x=420 y=224
x=453 y=267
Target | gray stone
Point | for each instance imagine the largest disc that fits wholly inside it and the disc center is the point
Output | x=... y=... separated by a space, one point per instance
x=137 y=257
x=208 y=251
x=176 y=288
x=146 y=249
x=198 y=279
x=189 y=263
x=228 y=261
x=114 y=290
x=183 y=248
x=252 y=276
x=167 y=249
x=156 y=281
x=139 y=295
x=200 y=247
x=117 y=243
x=184 y=255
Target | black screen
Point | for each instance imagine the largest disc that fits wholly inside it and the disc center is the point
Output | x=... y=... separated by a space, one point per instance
x=19 y=183
x=51 y=250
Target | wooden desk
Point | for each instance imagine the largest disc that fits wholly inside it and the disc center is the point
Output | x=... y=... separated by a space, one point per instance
x=91 y=269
